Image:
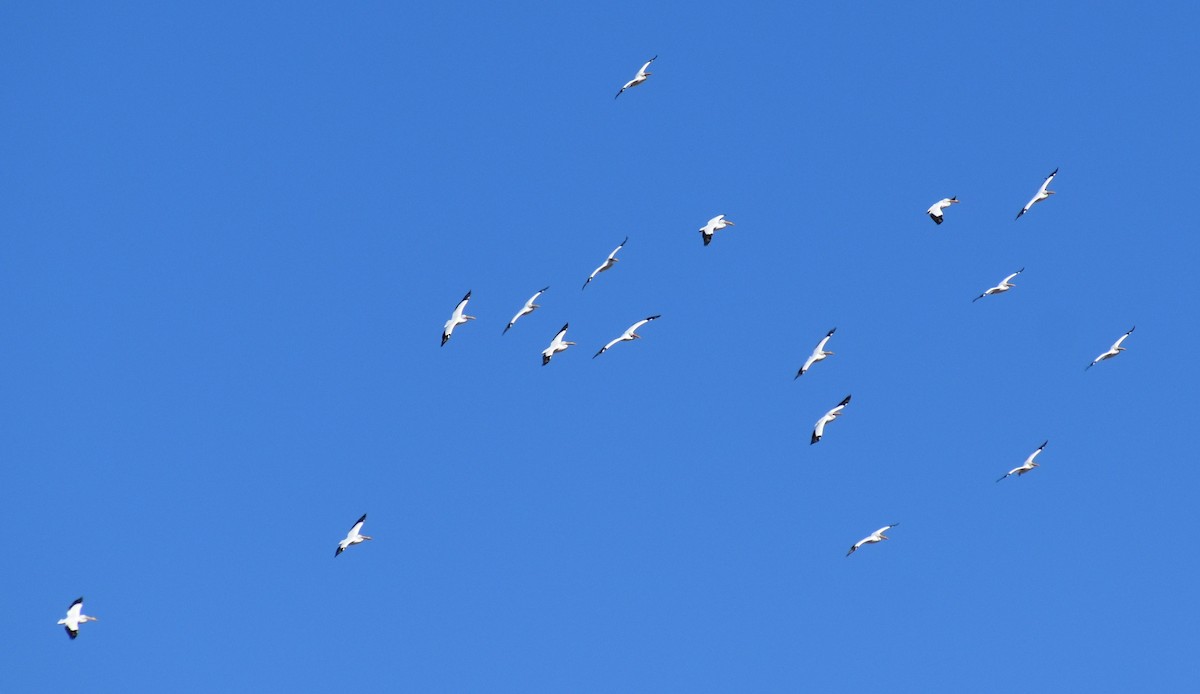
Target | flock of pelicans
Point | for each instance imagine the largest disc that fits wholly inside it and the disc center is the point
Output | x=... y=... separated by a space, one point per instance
x=936 y=212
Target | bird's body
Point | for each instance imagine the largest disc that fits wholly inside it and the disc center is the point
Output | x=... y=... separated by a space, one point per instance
x=1112 y=351
x=935 y=210
x=74 y=618
x=1027 y=465
x=527 y=309
x=629 y=334
x=456 y=319
x=1005 y=285
x=877 y=536
x=713 y=226
x=638 y=78
x=608 y=263
x=353 y=537
x=558 y=344
x=818 y=354
x=819 y=428
x=1043 y=193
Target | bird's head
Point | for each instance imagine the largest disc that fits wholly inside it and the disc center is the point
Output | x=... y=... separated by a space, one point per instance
x=469 y=317
x=729 y=223
x=1049 y=192
x=367 y=537
x=1120 y=349
x=568 y=344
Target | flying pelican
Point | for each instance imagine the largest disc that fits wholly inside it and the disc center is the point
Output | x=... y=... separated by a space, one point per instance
x=75 y=617
x=1005 y=285
x=629 y=334
x=877 y=536
x=1043 y=193
x=526 y=309
x=608 y=262
x=457 y=318
x=713 y=226
x=558 y=344
x=935 y=210
x=354 y=536
x=1027 y=465
x=1112 y=351
x=638 y=78
x=819 y=429
x=817 y=355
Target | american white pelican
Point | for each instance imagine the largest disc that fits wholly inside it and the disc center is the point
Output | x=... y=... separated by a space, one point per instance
x=819 y=429
x=558 y=344
x=629 y=334
x=1027 y=465
x=526 y=309
x=713 y=226
x=877 y=536
x=608 y=262
x=935 y=210
x=1005 y=285
x=1043 y=193
x=817 y=355
x=638 y=78
x=457 y=318
x=354 y=536
x=75 y=617
x=1112 y=351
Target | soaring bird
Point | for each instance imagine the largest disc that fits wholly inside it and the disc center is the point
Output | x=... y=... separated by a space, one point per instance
x=1005 y=285
x=75 y=617
x=818 y=354
x=1112 y=351
x=608 y=262
x=526 y=309
x=713 y=226
x=935 y=210
x=1027 y=465
x=638 y=78
x=1043 y=193
x=819 y=429
x=558 y=344
x=629 y=334
x=354 y=536
x=457 y=318
x=877 y=536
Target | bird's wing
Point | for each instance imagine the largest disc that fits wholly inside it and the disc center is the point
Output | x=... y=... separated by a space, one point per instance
x=1119 y=341
x=606 y=347
x=1046 y=183
x=358 y=524
x=461 y=307
x=614 y=253
x=821 y=345
x=558 y=337
x=845 y=401
x=812 y=359
x=74 y=610
x=1008 y=279
x=883 y=530
x=642 y=71
x=819 y=429
x=72 y=632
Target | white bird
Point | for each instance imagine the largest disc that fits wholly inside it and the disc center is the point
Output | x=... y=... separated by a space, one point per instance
x=819 y=429
x=558 y=344
x=354 y=536
x=877 y=536
x=1112 y=351
x=457 y=318
x=817 y=355
x=629 y=334
x=1043 y=193
x=526 y=309
x=638 y=78
x=1005 y=285
x=75 y=617
x=1027 y=465
x=608 y=262
x=935 y=210
x=713 y=226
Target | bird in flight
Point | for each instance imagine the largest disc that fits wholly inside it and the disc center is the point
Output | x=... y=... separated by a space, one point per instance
x=1027 y=465
x=526 y=309
x=75 y=617
x=457 y=318
x=558 y=344
x=353 y=537
x=877 y=536
x=935 y=210
x=629 y=334
x=818 y=354
x=1005 y=285
x=819 y=429
x=608 y=262
x=638 y=78
x=713 y=226
x=1043 y=193
x=1112 y=351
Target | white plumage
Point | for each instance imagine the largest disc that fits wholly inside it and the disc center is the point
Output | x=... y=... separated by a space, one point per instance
x=1112 y=351
x=638 y=78
x=819 y=428
x=1005 y=285
x=1043 y=193
x=75 y=617
x=527 y=309
x=818 y=354
x=713 y=226
x=456 y=319
x=877 y=536
x=1027 y=465
x=629 y=334
x=353 y=537
x=558 y=344
x=935 y=210
x=608 y=262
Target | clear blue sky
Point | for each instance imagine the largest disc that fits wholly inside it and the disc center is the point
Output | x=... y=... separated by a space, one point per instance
x=231 y=233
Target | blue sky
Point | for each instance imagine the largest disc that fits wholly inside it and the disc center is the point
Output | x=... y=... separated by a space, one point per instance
x=232 y=232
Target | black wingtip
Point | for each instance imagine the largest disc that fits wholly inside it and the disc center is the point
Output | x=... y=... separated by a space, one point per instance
x=831 y=332
x=936 y=219
x=71 y=633
x=337 y=551
x=362 y=519
x=845 y=402
x=78 y=600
